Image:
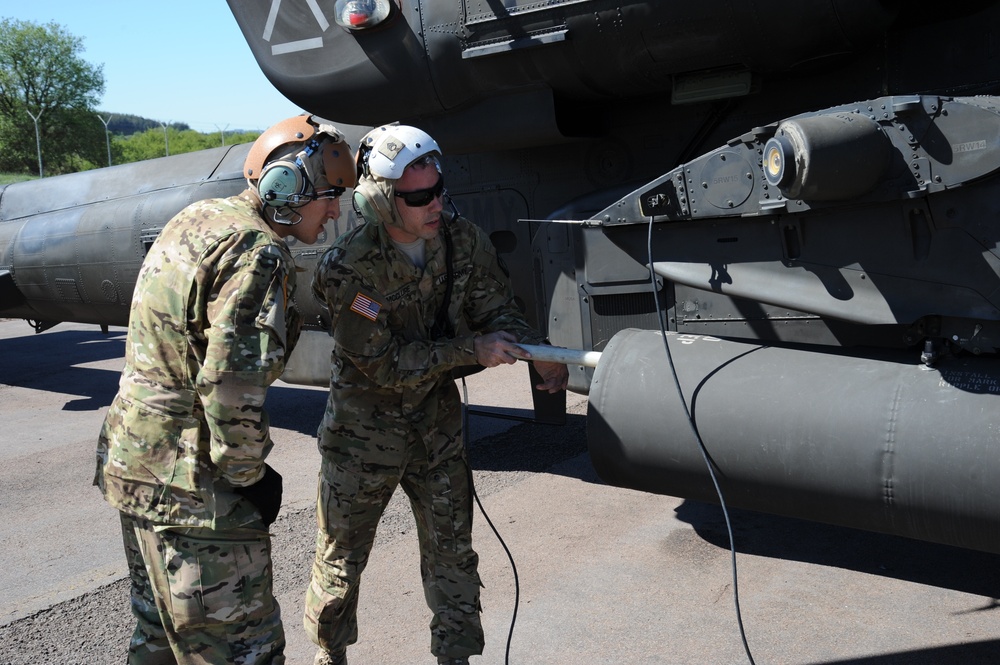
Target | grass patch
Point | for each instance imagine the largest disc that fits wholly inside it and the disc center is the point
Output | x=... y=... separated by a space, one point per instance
x=10 y=178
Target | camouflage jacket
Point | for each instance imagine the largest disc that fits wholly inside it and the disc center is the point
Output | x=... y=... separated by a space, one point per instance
x=210 y=327
x=383 y=309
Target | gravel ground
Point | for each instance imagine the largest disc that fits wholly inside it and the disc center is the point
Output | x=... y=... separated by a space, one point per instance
x=94 y=628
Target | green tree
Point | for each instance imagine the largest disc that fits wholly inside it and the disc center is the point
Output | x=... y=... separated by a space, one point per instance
x=43 y=75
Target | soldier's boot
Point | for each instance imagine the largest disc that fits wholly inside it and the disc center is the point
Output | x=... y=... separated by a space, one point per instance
x=324 y=657
x=444 y=660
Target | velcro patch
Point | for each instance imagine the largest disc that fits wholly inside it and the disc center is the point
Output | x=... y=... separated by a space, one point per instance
x=366 y=307
x=391 y=147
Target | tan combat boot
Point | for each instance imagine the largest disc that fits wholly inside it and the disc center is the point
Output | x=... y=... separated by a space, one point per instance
x=324 y=657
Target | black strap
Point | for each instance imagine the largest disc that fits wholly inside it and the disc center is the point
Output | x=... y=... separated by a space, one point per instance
x=442 y=323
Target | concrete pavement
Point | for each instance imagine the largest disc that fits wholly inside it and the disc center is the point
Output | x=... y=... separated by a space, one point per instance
x=605 y=575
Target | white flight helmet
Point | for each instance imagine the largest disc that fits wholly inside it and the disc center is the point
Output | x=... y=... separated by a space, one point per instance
x=383 y=155
x=386 y=151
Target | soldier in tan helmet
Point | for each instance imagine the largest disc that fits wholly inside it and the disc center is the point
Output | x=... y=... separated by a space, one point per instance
x=181 y=453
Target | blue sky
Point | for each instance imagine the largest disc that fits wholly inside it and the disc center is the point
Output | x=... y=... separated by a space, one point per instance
x=177 y=61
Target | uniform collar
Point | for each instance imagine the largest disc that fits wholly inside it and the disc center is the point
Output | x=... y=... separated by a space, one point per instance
x=434 y=252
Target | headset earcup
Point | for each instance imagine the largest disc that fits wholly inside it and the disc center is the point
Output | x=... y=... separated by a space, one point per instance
x=362 y=205
x=280 y=180
x=372 y=203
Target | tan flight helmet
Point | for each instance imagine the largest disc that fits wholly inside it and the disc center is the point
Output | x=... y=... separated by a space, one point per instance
x=297 y=161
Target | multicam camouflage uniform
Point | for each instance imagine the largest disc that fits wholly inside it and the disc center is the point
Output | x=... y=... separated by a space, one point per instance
x=210 y=328
x=394 y=417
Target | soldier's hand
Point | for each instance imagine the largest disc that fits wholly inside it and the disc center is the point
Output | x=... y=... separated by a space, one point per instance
x=555 y=376
x=496 y=348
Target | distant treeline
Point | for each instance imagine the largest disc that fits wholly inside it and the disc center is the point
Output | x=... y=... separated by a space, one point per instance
x=124 y=124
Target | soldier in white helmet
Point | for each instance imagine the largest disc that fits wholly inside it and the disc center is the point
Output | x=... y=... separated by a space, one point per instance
x=414 y=293
x=181 y=453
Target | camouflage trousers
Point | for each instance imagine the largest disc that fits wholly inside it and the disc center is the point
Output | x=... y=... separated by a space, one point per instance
x=201 y=596
x=356 y=482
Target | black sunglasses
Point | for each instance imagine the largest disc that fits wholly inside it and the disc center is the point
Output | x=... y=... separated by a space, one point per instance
x=422 y=197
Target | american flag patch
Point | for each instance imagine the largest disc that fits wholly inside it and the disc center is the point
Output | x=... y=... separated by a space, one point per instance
x=366 y=307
